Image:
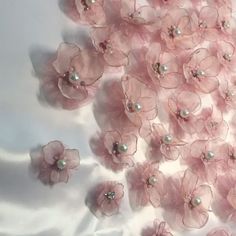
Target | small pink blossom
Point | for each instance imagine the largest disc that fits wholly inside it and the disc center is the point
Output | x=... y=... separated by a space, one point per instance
x=140 y=100
x=163 y=67
x=160 y=228
x=182 y=108
x=54 y=163
x=146 y=185
x=204 y=158
x=105 y=198
x=115 y=149
x=201 y=71
x=219 y=232
x=187 y=201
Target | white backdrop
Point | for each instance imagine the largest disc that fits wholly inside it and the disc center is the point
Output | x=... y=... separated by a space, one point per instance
x=28 y=29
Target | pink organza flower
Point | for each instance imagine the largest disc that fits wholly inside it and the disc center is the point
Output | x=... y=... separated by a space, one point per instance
x=54 y=163
x=228 y=153
x=205 y=24
x=74 y=81
x=115 y=149
x=225 y=204
x=182 y=110
x=160 y=228
x=146 y=185
x=91 y=11
x=163 y=67
x=220 y=3
x=161 y=143
x=201 y=71
x=211 y=124
x=176 y=29
x=112 y=44
x=105 y=198
x=204 y=158
x=187 y=201
x=219 y=232
x=140 y=100
x=226 y=55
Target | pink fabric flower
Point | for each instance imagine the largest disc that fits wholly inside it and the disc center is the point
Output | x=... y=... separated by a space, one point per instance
x=91 y=11
x=115 y=149
x=112 y=44
x=204 y=158
x=225 y=204
x=219 y=232
x=140 y=100
x=220 y=3
x=211 y=124
x=160 y=228
x=54 y=163
x=163 y=67
x=201 y=71
x=187 y=201
x=105 y=198
x=182 y=109
x=176 y=29
x=146 y=185
x=162 y=143
x=228 y=153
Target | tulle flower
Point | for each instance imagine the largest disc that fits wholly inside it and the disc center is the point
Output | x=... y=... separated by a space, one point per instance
x=228 y=152
x=160 y=228
x=161 y=143
x=163 y=67
x=91 y=11
x=182 y=108
x=105 y=198
x=146 y=185
x=54 y=163
x=219 y=232
x=115 y=149
x=201 y=71
x=187 y=201
x=140 y=100
x=204 y=158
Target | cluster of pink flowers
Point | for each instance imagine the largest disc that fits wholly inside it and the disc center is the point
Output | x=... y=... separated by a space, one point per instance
x=177 y=62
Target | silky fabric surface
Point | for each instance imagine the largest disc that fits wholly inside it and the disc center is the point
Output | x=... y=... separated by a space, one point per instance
x=31 y=30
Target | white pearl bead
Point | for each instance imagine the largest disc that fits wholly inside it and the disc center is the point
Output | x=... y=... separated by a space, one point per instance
x=90 y=1
x=210 y=155
x=122 y=148
x=167 y=139
x=137 y=107
x=227 y=57
x=163 y=68
x=152 y=180
x=226 y=24
x=61 y=164
x=74 y=76
x=196 y=201
x=184 y=113
x=177 y=32
x=200 y=73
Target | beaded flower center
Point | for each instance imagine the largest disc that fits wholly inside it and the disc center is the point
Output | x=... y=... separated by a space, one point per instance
x=119 y=148
x=110 y=195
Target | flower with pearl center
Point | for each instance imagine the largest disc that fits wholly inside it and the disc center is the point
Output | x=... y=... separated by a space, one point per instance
x=196 y=201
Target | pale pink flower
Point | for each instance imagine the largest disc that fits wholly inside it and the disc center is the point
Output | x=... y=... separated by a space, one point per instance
x=220 y=3
x=91 y=11
x=187 y=201
x=54 y=163
x=182 y=108
x=146 y=185
x=162 y=144
x=228 y=153
x=163 y=67
x=201 y=71
x=204 y=158
x=176 y=29
x=211 y=124
x=140 y=100
x=105 y=198
x=160 y=228
x=114 y=149
x=219 y=232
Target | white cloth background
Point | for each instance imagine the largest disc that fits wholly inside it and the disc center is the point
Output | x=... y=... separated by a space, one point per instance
x=28 y=29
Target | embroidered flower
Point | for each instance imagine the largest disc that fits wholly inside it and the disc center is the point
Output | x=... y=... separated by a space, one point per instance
x=160 y=228
x=187 y=201
x=105 y=198
x=201 y=71
x=54 y=163
x=163 y=67
x=182 y=110
x=162 y=143
x=115 y=149
x=204 y=158
x=146 y=185
x=140 y=101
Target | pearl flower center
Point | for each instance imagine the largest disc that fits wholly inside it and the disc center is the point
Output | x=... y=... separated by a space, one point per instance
x=119 y=148
x=61 y=164
x=196 y=201
x=110 y=195
x=209 y=155
x=134 y=107
x=184 y=113
x=167 y=139
x=152 y=180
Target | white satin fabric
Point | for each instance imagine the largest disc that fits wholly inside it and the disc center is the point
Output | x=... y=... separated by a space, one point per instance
x=28 y=29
